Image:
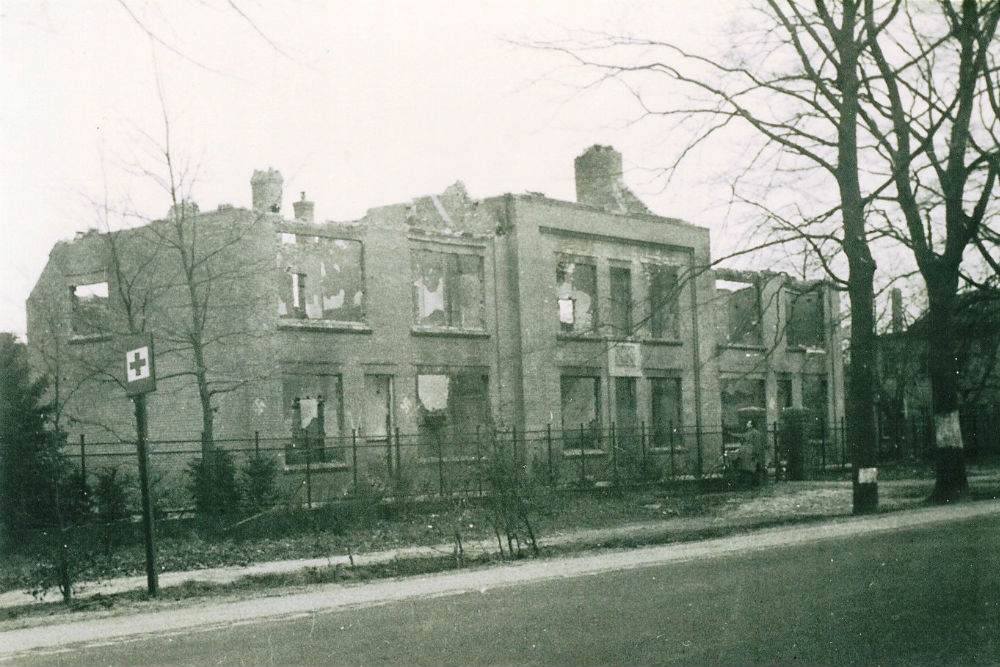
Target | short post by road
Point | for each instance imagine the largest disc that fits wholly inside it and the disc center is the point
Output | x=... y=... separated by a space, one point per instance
x=140 y=379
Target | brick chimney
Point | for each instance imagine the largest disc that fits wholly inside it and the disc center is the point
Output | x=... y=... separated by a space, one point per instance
x=599 y=182
x=303 y=209
x=266 y=186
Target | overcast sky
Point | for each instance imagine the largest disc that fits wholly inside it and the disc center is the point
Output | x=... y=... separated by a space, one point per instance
x=359 y=104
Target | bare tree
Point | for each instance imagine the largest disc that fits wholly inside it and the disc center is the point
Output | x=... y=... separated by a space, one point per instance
x=936 y=112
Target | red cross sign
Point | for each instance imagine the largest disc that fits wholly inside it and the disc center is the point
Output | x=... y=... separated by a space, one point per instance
x=140 y=376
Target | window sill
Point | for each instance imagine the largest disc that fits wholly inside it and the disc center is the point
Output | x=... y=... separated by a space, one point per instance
x=742 y=347
x=325 y=325
x=589 y=337
x=326 y=466
x=666 y=450
x=83 y=339
x=670 y=342
x=588 y=453
x=423 y=330
x=804 y=349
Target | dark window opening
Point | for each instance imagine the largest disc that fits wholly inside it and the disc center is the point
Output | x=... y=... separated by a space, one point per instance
x=663 y=298
x=452 y=408
x=804 y=318
x=314 y=417
x=665 y=398
x=581 y=410
x=621 y=301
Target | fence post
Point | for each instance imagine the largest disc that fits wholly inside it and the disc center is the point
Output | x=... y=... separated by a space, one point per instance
x=354 y=458
x=642 y=446
x=399 y=460
x=440 y=449
x=673 y=470
x=479 y=459
x=614 y=456
x=83 y=462
x=309 y=488
x=548 y=446
x=822 y=443
x=777 y=452
x=843 y=444
x=256 y=443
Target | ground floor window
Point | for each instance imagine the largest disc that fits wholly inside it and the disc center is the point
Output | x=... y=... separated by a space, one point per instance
x=452 y=405
x=665 y=411
x=736 y=394
x=581 y=411
x=314 y=417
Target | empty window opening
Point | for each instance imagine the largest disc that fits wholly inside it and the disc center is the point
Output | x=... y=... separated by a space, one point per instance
x=739 y=393
x=665 y=411
x=740 y=302
x=452 y=407
x=581 y=409
x=448 y=289
x=314 y=418
x=323 y=278
x=804 y=318
x=663 y=299
x=90 y=307
x=621 y=301
x=576 y=286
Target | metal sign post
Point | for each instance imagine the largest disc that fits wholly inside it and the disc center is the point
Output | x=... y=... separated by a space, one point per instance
x=140 y=379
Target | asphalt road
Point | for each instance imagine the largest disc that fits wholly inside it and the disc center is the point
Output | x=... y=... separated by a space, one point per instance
x=922 y=595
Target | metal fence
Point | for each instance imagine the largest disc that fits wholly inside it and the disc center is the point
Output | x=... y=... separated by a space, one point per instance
x=316 y=469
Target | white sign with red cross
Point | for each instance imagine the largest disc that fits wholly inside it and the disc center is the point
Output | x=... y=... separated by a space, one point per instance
x=140 y=375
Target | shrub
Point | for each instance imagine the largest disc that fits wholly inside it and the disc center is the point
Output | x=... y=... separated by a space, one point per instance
x=259 y=477
x=213 y=484
x=511 y=500
x=111 y=495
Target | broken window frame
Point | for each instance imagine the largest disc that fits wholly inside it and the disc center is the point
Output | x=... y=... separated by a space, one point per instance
x=578 y=326
x=664 y=311
x=89 y=313
x=303 y=447
x=458 y=308
x=303 y=274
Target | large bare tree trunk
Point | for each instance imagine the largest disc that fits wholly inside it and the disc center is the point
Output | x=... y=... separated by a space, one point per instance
x=951 y=483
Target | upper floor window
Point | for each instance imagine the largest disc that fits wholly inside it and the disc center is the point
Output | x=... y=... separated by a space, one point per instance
x=664 y=290
x=621 y=301
x=742 y=312
x=448 y=289
x=90 y=308
x=322 y=278
x=804 y=318
x=576 y=293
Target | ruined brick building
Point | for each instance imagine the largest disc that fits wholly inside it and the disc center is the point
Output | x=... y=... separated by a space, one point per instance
x=441 y=315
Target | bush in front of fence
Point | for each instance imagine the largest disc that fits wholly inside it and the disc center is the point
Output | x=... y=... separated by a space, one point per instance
x=213 y=485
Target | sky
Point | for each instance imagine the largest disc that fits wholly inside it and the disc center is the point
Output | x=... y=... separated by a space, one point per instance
x=359 y=104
